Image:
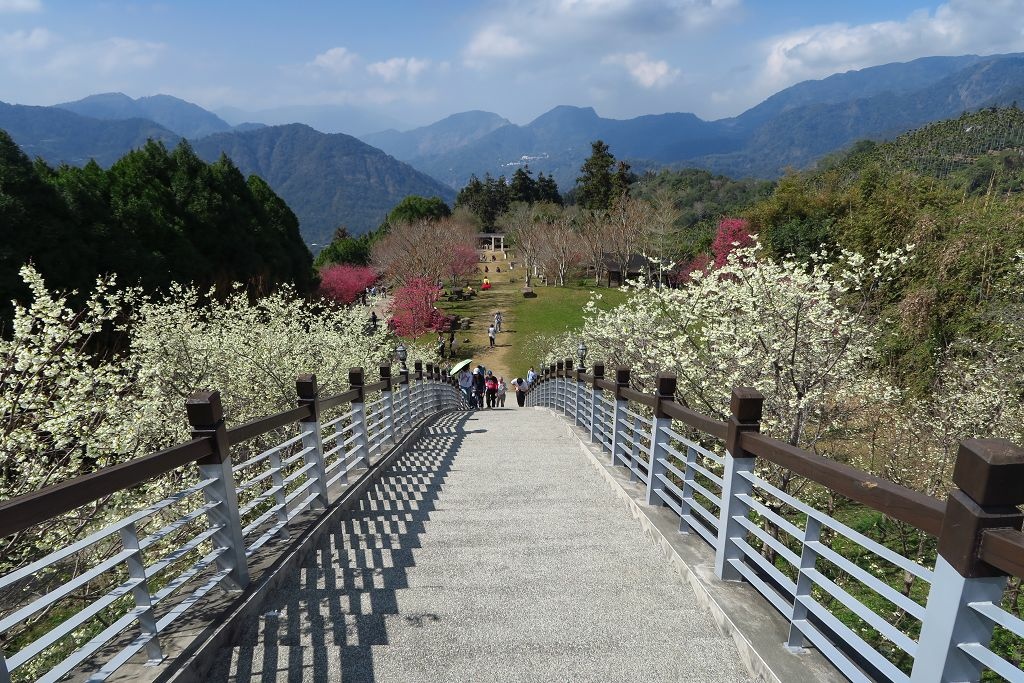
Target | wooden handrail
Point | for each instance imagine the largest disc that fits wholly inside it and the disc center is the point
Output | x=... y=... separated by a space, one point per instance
x=262 y=425
x=25 y=511
x=889 y=498
x=1004 y=550
x=715 y=428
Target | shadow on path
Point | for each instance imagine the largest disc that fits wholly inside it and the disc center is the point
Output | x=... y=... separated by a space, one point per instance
x=322 y=624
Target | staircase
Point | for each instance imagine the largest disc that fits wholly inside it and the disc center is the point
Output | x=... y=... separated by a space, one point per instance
x=492 y=551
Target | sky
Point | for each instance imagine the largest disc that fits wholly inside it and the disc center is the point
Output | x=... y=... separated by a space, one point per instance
x=416 y=62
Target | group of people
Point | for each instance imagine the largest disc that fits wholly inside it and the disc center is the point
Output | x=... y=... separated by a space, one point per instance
x=482 y=388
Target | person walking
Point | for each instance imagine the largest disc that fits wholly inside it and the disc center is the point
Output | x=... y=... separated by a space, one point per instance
x=490 y=334
x=452 y=343
x=519 y=384
x=479 y=386
x=531 y=377
x=502 y=389
x=491 y=387
x=440 y=346
x=466 y=385
x=497 y=321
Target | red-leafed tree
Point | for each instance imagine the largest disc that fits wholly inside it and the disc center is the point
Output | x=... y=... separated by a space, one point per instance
x=344 y=283
x=733 y=233
x=461 y=262
x=413 y=310
x=701 y=264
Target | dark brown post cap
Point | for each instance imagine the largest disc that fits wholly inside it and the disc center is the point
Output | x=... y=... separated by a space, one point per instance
x=666 y=386
x=204 y=409
x=385 y=371
x=305 y=386
x=598 y=370
x=622 y=376
x=355 y=377
x=746 y=405
x=990 y=471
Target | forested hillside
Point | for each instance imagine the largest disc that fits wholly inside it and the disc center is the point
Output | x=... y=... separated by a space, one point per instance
x=951 y=189
x=153 y=218
x=328 y=180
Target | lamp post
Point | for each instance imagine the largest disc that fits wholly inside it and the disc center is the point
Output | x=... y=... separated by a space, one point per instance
x=402 y=355
x=581 y=353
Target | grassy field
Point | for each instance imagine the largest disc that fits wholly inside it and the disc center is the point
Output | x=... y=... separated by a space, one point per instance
x=554 y=311
x=528 y=323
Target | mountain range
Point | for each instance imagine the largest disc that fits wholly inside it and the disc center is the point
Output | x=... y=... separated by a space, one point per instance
x=332 y=179
x=328 y=180
x=792 y=128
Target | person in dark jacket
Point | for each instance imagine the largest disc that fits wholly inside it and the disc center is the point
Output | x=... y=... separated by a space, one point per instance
x=479 y=385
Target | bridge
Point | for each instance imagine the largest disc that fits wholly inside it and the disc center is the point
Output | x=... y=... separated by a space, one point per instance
x=602 y=533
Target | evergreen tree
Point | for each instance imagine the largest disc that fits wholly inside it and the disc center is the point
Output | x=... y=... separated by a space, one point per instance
x=547 y=190
x=596 y=186
x=523 y=187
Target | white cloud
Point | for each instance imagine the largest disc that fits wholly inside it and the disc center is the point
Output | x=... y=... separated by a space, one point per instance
x=105 y=57
x=537 y=28
x=398 y=67
x=25 y=41
x=647 y=72
x=494 y=43
x=337 y=60
x=956 y=27
x=20 y=6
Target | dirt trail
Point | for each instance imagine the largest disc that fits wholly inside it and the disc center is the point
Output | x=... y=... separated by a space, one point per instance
x=501 y=297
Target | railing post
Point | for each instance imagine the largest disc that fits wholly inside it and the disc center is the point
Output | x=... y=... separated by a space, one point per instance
x=666 y=393
x=206 y=416
x=417 y=412
x=388 y=402
x=553 y=386
x=560 y=385
x=305 y=386
x=143 y=598
x=430 y=388
x=596 y=431
x=356 y=380
x=577 y=393
x=567 y=376
x=989 y=475
x=404 y=388
x=746 y=405
x=804 y=584
x=619 y=413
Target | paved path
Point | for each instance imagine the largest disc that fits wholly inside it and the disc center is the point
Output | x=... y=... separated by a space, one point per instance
x=493 y=551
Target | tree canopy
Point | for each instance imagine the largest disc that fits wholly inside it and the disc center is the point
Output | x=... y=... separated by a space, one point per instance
x=153 y=218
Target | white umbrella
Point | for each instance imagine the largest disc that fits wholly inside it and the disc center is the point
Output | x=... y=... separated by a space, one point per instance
x=458 y=366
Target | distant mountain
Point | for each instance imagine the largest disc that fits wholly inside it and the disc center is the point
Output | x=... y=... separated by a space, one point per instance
x=792 y=128
x=896 y=78
x=558 y=141
x=60 y=136
x=324 y=118
x=327 y=179
x=801 y=135
x=445 y=135
x=184 y=118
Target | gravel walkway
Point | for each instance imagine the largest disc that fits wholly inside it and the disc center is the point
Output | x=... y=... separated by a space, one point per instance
x=491 y=552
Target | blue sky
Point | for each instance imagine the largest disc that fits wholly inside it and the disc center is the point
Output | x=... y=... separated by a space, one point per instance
x=419 y=61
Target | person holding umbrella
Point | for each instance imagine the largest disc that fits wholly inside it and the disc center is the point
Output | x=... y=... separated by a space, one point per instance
x=465 y=380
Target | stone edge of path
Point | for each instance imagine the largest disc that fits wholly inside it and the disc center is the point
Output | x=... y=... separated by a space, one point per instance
x=195 y=663
x=738 y=610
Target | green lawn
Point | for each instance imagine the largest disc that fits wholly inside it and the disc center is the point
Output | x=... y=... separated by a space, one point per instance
x=554 y=311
